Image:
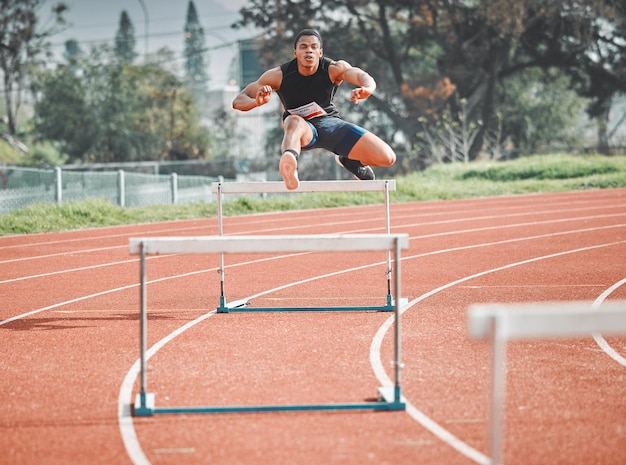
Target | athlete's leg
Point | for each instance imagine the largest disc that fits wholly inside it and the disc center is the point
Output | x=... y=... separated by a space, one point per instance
x=297 y=134
x=373 y=151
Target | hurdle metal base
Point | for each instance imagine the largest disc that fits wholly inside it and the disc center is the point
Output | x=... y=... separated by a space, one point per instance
x=390 y=399
x=242 y=306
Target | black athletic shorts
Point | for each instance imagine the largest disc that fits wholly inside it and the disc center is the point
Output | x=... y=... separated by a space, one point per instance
x=334 y=134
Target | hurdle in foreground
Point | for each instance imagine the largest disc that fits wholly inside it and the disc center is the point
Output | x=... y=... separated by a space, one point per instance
x=389 y=398
x=502 y=322
x=221 y=188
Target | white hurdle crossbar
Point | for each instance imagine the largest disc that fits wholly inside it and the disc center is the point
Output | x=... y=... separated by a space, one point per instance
x=144 y=403
x=274 y=187
x=502 y=322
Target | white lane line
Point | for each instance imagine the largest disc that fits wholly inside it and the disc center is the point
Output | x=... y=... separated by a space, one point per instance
x=605 y=346
x=124 y=400
x=83 y=268
x=409 y=408
x=67 y=302
x=138 y=229
x=127 y=429
x=379 y=370
x=428 y=423
x=133 y=446
x=130 y=286
x=412 y=215
x=440 y=234
x=70 y=270
x=62 y=254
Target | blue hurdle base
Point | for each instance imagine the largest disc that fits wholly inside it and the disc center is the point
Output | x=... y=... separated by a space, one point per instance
x=390 y=399
x=242 y=306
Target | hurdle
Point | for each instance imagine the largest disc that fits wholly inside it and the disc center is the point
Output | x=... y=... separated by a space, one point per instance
x=271 y=187
x=500 y=323
x=389 y=398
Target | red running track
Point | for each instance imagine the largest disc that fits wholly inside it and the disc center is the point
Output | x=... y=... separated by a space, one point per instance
x=69 y=340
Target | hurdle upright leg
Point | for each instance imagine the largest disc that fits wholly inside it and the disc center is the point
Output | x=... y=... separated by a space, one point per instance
x=388 y=231
x=221 y=188
x=398 y=355
x=144 y=404
x=220 y=232
x=388 y=400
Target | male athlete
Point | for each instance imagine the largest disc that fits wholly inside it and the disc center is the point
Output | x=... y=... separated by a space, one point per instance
x=306 y=86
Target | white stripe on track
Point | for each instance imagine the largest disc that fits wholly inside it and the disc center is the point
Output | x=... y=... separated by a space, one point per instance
x=126 y=423
x=125 y=419
x=444 y=435
x=432 y=426
x=605 y=346
x=130 y=286
x=60 y=254
x=440 y=234
x=70 y=270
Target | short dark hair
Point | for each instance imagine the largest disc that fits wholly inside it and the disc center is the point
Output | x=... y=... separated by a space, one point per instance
x=307 y=32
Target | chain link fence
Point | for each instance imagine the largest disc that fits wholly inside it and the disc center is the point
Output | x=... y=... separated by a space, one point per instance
x=20 y=187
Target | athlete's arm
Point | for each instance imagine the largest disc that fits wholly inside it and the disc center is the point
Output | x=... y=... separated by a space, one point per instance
x=259 y=92
x=342 y=71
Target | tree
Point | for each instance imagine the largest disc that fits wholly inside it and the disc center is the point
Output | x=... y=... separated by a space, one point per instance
x=125 y=40
x=117 y=113
x=589 y=44
x=61 y=112
x=196 y=60
x=21 y=42
x=423 y=52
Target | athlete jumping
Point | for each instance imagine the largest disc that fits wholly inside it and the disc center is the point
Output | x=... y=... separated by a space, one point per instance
x=306 y=86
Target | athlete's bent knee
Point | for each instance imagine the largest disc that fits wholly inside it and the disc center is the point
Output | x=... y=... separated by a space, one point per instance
x=293 y=123
x=389 y=157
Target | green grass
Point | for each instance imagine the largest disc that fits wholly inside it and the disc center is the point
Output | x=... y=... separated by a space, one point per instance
x=549 y=173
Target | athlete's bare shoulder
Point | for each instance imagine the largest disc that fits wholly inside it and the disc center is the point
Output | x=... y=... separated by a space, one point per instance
x=337 y=69
x=272 y=77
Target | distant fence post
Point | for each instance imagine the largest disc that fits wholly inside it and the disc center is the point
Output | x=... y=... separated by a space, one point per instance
x=174 y=187
x=58 y=185
x=121 y=189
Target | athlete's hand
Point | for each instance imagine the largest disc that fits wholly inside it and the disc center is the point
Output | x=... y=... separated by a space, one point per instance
x=263 y=95
x=360 y=93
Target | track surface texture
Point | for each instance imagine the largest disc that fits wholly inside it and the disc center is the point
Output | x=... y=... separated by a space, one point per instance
x=69 y=340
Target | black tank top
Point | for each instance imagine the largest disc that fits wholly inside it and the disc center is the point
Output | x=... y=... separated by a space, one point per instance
x=297 y=90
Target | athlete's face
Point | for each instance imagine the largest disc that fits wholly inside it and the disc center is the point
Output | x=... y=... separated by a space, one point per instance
x=308 y=51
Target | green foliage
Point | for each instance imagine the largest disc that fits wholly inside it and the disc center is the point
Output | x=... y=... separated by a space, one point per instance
x=544 y=168
x=62 y=113
x=94 y=213
x=9 y=155
x=125 y=40
x=196 y=59
x=446 y=181
x=22 y=42
x=540 y=109
x=424 y=53
x=118 y=112
x=46 y=154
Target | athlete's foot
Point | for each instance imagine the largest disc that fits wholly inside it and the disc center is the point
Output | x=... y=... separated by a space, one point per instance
x=288 y=168
x=364 y=173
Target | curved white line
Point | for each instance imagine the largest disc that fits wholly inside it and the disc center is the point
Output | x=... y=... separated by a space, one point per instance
x=129 y=436
x=375 y=352
x=125 y=419
x=610 y=351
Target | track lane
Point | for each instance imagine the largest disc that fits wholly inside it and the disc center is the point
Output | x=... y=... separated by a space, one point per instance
x=407 y=440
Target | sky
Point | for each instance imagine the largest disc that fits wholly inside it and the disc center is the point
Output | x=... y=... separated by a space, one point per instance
x=92 y=22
